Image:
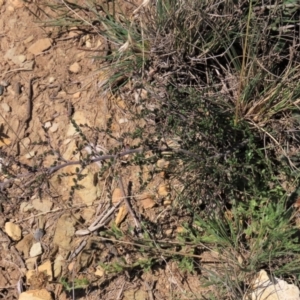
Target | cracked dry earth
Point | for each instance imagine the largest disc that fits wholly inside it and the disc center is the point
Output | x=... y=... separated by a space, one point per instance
x=51 y=243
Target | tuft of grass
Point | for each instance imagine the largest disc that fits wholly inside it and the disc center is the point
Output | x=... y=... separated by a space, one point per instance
x=258 y=235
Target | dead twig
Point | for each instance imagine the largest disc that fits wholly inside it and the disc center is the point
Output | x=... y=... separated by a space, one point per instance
x=137 y=223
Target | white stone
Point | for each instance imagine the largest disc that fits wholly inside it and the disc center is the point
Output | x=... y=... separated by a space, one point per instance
x=54 y=127
x=5 y=107
x=30 y=155
x=276 y=289
x=47 y=125
x=36 y=249
x=51 y=79
x=21 y=58
x=123 y=120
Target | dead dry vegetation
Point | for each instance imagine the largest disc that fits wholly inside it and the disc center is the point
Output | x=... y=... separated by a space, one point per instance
x=148 y=150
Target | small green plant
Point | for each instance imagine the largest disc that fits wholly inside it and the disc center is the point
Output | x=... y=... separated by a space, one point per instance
x=78 y=283
x=251 y=236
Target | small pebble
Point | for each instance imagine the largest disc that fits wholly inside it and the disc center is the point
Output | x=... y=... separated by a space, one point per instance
x=123 y=120
x=36 y=249
x=21 y=58
x=4 y=83
x=5 y=107
x=30 y=154
x=75 y=68
x=48 y=124
x=51 y=79
x=54 y=127
x=1 y=90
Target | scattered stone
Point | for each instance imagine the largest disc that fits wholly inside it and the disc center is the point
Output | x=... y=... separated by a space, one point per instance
x=162 y=164
x=88 y=213
x=148 y=202
x=10 y=53
x=75 y=68
x=90 y=192
x=80 y=117
x=21 y=58
x=42 y=205
x=5 y=107
x=117 y=196
x=46 y=267
x=40 y=45
x=25 y=142
x=180 y=229
x=167 y=202
x=47 y=125
x=77 y=95
x=30 y=155
x=163 y=190
x=16 y=61
x=31 y=263
x=61 y=94
x=13 y=231
x=28 y=65
x=64 y=232
x=100 y=272
x=11 y=8
x=36 y=249
x=88 y=44
x=51 y=79
x=29 y=39
x=36 y=295
x=58 y=265
x=123 y=120
x=17 y=3
x=25 y=207
x=54 y=127
x=25 y=244
x=169 y=232
x=135 y=295
x=276 y=289
x=1 y=90
x=4 y=83
x=11 y=90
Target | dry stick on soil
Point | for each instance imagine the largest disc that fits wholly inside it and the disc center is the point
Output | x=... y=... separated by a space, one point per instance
x=51 y=170
x=99 y=222
x=137 y=224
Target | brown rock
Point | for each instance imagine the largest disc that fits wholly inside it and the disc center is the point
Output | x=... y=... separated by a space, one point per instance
x=75 y=68
x=64 y=232
x=13 y=231
x=46 y=268
x=17 y=3
x=25 y=244
x=43 y=205
x=36 y=295
x=117 y=196
x=40 y=46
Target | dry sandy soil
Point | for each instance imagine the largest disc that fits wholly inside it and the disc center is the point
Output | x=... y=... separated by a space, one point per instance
x=46 y=79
